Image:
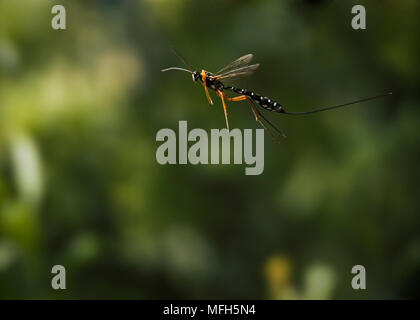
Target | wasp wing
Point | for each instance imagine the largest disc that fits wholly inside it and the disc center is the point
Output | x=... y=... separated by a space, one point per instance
x=238 y=63
x=235 y=74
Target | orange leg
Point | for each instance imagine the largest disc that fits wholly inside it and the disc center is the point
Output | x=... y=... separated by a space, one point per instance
x=238 y=98
x=222 y=96
x=204 y=77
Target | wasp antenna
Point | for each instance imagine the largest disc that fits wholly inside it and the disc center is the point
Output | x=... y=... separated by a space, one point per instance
x=176 y=68
x=181 y=58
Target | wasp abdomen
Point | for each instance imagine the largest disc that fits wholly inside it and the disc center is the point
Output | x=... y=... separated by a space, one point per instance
x=264 y=102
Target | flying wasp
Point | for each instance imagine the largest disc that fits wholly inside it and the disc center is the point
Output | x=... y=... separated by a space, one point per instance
x=239 y=68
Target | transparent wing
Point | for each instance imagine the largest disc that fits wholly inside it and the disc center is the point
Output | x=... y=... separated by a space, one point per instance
x=235 y=74
x=238 y=63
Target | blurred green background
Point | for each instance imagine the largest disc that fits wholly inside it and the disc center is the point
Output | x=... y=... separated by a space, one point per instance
x=80 y=186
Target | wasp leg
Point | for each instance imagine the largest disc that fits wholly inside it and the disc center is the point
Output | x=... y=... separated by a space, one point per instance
x=258 y=117
x=238 y=98
x=204 y=77
x=222 y=96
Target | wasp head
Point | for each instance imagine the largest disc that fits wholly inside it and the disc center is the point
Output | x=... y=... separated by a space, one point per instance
x=196 y=76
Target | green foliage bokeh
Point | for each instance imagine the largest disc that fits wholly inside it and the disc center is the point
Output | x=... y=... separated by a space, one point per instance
x=80 y=186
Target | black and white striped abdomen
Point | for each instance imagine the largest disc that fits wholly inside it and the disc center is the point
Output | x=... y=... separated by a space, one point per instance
x=264 y=102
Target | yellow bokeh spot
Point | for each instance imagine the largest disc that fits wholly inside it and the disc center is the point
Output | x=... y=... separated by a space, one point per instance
x=278 y=270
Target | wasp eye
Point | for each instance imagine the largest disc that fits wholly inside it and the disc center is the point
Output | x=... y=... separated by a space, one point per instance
x=195 y=76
